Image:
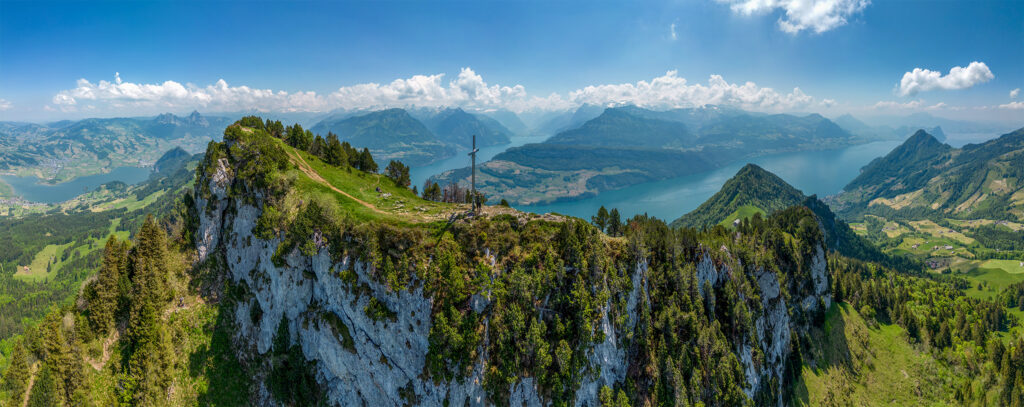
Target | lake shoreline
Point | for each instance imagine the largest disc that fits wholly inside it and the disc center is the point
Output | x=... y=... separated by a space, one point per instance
x=35 y=190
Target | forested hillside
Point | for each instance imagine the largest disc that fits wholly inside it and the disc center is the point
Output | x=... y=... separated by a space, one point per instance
x=296 y=275
x=924 y=177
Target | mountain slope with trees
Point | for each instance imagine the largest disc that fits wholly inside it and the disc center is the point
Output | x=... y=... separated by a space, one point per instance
x=923 y=177
x=288 y=277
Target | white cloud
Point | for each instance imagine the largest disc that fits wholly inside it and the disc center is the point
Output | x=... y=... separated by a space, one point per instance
x=827 y=103
x=937 y=106
x=888 y=104
x=672 y=31
x=1014 y=93
x=468 y=90
x=171 y=94
x=1013 y=106
x=671 y=91
x=920 y=80
x=5 y=104
x=816 y=15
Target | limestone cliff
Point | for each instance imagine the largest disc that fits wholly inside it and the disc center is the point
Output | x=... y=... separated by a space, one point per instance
x=323 y=296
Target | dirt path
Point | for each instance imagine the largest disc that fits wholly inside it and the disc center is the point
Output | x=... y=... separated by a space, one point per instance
x=31 y=382
x=316 y=177
x=98 y=364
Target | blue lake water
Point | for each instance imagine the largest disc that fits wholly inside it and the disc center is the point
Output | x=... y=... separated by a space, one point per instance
x=813 y=172
x=31 y=189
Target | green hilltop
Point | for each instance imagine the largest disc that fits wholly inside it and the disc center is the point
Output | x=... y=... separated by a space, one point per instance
x=752 y=189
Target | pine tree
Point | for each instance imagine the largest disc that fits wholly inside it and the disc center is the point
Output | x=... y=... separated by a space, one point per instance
x=148 y=363
x=319 y=147
x=601 y=220
x=17 y=374
x=614 y=223
x=335 y=153
x=45 y=392
x=366 y=163
x=297 y=137
x=399 y=173
x=104 y=292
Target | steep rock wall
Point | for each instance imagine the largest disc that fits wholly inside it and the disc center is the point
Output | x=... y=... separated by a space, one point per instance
x=360 y=360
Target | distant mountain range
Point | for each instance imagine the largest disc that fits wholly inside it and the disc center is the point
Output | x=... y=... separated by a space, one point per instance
x=626 y=145
x=456 y=127
x=64 y=150
x=416 y=136
x=923 y=176
x=389 y=134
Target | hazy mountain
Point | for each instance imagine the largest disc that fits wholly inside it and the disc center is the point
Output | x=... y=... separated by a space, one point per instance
x=456 y=127
x=906 y=125
x=617 y=127
x=84 y=147
x=570 y=119
x=510 y=120
x=389 y=134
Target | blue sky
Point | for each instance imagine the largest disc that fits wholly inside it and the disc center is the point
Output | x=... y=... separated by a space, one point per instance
x=521 y=55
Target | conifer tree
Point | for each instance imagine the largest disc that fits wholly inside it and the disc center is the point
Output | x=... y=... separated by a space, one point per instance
x=614 y=223
x=148 y=364
x=601 y=220
x=366 y=163
x=17 y=374
x=335 y=152
x=399 y=173
x=103 y=294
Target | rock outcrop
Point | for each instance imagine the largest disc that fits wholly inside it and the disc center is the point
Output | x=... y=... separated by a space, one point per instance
x=361 y=360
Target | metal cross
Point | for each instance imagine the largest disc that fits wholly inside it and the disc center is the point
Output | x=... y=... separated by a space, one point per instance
x=472 y=176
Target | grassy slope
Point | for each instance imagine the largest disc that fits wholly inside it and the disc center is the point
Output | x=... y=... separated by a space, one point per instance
x=743 y=212
x=401 y=207
x=861 y=365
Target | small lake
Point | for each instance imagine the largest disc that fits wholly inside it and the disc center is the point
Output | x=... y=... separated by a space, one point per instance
x=813 y=172
x=30 y=188
x=419 y=175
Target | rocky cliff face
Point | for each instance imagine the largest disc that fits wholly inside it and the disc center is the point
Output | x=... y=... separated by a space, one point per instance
x=361 y=360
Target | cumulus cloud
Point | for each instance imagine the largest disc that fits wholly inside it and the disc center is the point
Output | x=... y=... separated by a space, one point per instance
x=671 y=91
x=468 y=89
x=5 y=104
x=672 y=31
x=171 y=94
x=828 y=102
x=1014 y=93
x=888 y=104
x=816 y=15
x=1013 y=106
x=920 y=80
